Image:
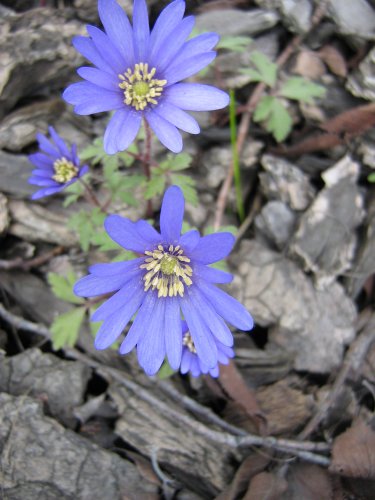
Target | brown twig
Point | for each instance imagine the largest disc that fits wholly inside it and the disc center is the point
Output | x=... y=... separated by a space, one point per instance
x=250 y=107
x=92 y=198
x=26 y=265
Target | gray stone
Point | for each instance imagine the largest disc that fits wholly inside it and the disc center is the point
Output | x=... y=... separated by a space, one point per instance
x=36 y=54
x=325 y=239
x=361 y=82
x=285 y=182
x=276 y=222
x=4 y=214
x=356 y=19
x=42 y=460
x=297 y=14
x=233 y=22
x=367 y=151
x=312 y=325
x=14 y=173
x=63 y=383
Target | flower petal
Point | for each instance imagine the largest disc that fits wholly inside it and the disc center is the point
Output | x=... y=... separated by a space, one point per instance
x=89 y=98
x=124 y=232
x=214 y=372
x=41 y=193
x=40 y=160
x=107 y=49
x=43 y=172
x=116 y=322
x=190 y=240
x=147 y=232
x=63 y=148
x=43 y=181
x=173 y=332
x=172 y=214
x=46 y=146
x=186 y=360
x=141 y=30
x=100 y=78
x=211 y=275
x=151 y=346
x=180 y=70
x=91 y=286
x=113 y=268
x=138 y=327
x=85 y=46
x=129 y=298
x=118 y=28
x=167 y=133
x=121 y=130
x=226 y=306
x=197 y=45
x=177 y=117
x=213 y=247
x=196 y=97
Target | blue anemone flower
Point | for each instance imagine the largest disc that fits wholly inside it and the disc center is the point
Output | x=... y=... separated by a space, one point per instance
x=57 y=166
x=171 y=275
x=191 y=362
x=138 y=72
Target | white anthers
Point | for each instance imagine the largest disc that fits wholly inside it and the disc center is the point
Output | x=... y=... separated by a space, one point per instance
x=187 y=341
x=168 y=271
x=65 y=170
x=140 y=87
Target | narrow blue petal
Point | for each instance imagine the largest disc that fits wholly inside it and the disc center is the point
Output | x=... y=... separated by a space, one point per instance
x=196 y=97
x=211 y=275
x=186 y=360
x=180 y=70
x=113 y=268
x=63 y=148
x=141 y=30
x=40 y=160
x=43 y=181
x=226 y=306
x=128 y=298
x=148 y=233
x=90 y=98
x=90 y=285
x=214 y=372
x=118 y=28
x=121 y=130
x=172 y=214
x=226 y=352
x=190 y=240
x=84 y=170
x=47 y=147
x=213 y=247
x=86 y=47
x=107 y=50
x=167 y=21
x=173 y=332
x=201 y=335
x=74 y=155
x=124 y=232
x=116 y=322
x=167 y=133
x=198 y=45
x=197 y=368
x=100 y=78
x=177 y=117
x=173 y=44
x=46 y=192
x=151 y=345
x=43 y=172
x=138 y=327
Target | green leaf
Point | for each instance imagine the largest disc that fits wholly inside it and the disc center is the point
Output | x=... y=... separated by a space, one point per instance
x=154 y=186
x=263 y=109
x=187 y=184
x=279 y=121
x=176 y=162
x=65 y=328
x=300 y=89
x=103 y=241
x=86 y=225
x=234 y=43
x=62 y=287
x=165 y=371
x=73 y=193
x=371 y=177
x=266 y=70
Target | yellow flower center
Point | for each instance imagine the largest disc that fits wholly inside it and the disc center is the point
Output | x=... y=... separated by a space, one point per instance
x=65 y=170
x=168 y=271
x=188 y=342
x=139 y=86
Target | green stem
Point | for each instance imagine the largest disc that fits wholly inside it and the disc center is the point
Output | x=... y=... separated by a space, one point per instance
x=236 y=162
x=146 y=164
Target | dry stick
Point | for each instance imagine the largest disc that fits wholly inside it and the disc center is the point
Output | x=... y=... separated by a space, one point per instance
x=352 y=362
x=25 y=265
x=303 y=450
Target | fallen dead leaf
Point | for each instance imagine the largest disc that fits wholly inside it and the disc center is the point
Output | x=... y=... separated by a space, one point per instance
x=266 y=486
x=335 y=61
x=308 y=482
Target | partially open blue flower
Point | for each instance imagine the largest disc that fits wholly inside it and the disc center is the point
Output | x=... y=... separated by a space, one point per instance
x=57 y=166
x=172 y=275
x=191 y=362
x=137 y=74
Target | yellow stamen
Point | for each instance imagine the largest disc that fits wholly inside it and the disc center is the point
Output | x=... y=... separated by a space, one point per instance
x=140 y=87
x=188 y=342
x=65 y=170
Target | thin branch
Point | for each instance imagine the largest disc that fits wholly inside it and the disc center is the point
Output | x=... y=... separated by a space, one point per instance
x=26 y=265
x=91 y=196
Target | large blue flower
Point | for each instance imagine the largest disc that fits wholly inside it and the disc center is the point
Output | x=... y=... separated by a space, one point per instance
x=137 y=74
x=171 y=275
x=191 y=362
x=57 y=165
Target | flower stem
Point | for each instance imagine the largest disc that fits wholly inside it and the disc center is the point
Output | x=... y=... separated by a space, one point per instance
x=236 y=162
x=91 y=196
x=146 y=164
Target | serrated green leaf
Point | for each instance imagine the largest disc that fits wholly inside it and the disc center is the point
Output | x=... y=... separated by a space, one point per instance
x=103 y=241
x=263 y=109
x=300 y=89
x=279 y=121
x=62 y=287
x=65 y=328
x=266 y=70
x=181 y=162
x=73 y=193
x=234 y=43
x=86 y=225
x=165 y=371
x=371 y=177
x=187 y=184
x=155 y=186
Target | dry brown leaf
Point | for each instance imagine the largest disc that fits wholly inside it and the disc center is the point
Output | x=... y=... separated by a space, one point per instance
x=309 y=65
x=266 y=486
x=353 y=453
x=334 y=60
x=308 y=482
